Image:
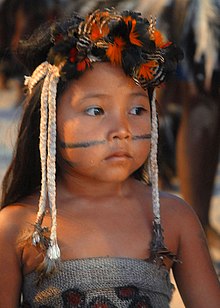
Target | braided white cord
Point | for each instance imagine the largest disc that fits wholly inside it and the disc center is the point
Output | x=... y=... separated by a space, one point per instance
x=36 y=237
x=39 y=73
x=153 y=160
x=43 y=146
x=53 y=252
x=152 y=25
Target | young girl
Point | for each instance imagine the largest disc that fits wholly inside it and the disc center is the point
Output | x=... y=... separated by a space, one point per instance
x=97 y=239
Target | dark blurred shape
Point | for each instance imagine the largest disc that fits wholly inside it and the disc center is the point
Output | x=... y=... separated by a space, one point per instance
x=18 y=19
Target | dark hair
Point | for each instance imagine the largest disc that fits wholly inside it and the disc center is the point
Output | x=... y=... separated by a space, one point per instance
x=33 y=13
x=36 y=13
x=23 y=175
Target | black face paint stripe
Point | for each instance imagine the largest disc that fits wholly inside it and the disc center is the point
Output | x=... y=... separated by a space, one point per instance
x=87 y=144
x=81 y=144
x=141 y=137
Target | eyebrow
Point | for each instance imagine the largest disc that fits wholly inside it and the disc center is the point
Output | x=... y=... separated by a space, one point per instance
x=92 y=95
x=140 y=94
x=102 y=95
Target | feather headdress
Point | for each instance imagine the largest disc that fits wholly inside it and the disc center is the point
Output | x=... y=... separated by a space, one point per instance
x=123 y=39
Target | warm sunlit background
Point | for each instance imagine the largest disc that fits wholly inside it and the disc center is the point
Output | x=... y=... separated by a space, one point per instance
x=189 y=104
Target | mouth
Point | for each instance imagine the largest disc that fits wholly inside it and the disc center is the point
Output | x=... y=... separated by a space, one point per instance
x=118 y=156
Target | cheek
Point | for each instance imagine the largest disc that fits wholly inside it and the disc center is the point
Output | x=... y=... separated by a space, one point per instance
x=80 y=159
x=70 y=131
x=141 y=151
x=66 y=127
x=76 y=134
x=148 y=124
x=78 y=156
x=141 y=147
x=78 y=130
x=141 y=126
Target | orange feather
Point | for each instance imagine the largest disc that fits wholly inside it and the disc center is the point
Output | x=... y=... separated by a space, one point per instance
x=147 y=69
x=133 y=36
x=81 y=66
x=97 y=33
x=160 y=40
x=114 y=50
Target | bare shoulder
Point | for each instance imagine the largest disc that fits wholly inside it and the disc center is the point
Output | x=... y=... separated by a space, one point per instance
x=173 y=207
x=14 y=215
x=185 y=236
x=13 y=218
x=180 y=223
x=172 y=201
x=175 y=212
x=176 y=208
x=179 y=218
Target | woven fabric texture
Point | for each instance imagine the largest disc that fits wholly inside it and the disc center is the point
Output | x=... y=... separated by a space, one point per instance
x=101 y=282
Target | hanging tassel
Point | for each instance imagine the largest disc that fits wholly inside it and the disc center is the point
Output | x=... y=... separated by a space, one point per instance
x=153 y=159
x=37 y=235
x=53 y=251
x=158 y=249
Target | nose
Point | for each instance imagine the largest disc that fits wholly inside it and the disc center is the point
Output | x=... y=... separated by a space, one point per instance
x=119 y=128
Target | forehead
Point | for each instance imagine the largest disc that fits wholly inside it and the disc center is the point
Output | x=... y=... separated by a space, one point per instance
x=103 y=79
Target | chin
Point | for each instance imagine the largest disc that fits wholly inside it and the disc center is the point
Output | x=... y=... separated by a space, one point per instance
x=117 y=177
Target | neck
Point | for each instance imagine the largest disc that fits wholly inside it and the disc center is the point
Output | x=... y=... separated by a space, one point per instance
x=76 y=186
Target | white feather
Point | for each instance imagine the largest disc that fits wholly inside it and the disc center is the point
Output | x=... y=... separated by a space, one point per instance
x=206 y=21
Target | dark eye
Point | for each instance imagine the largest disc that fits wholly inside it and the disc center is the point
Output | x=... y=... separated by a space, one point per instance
x=137 y=110
x=94 y=111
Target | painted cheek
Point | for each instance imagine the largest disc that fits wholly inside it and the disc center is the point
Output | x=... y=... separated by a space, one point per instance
x=140 y=125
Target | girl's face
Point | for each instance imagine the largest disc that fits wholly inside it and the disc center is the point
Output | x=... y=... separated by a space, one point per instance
x=103 y=123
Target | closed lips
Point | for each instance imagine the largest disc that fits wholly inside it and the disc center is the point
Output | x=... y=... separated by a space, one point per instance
x=118 y=155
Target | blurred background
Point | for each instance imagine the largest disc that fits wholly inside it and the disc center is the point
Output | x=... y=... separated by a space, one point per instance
x=189 y=105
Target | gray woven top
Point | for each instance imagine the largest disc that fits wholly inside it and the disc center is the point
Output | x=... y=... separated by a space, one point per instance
x=101 y=282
